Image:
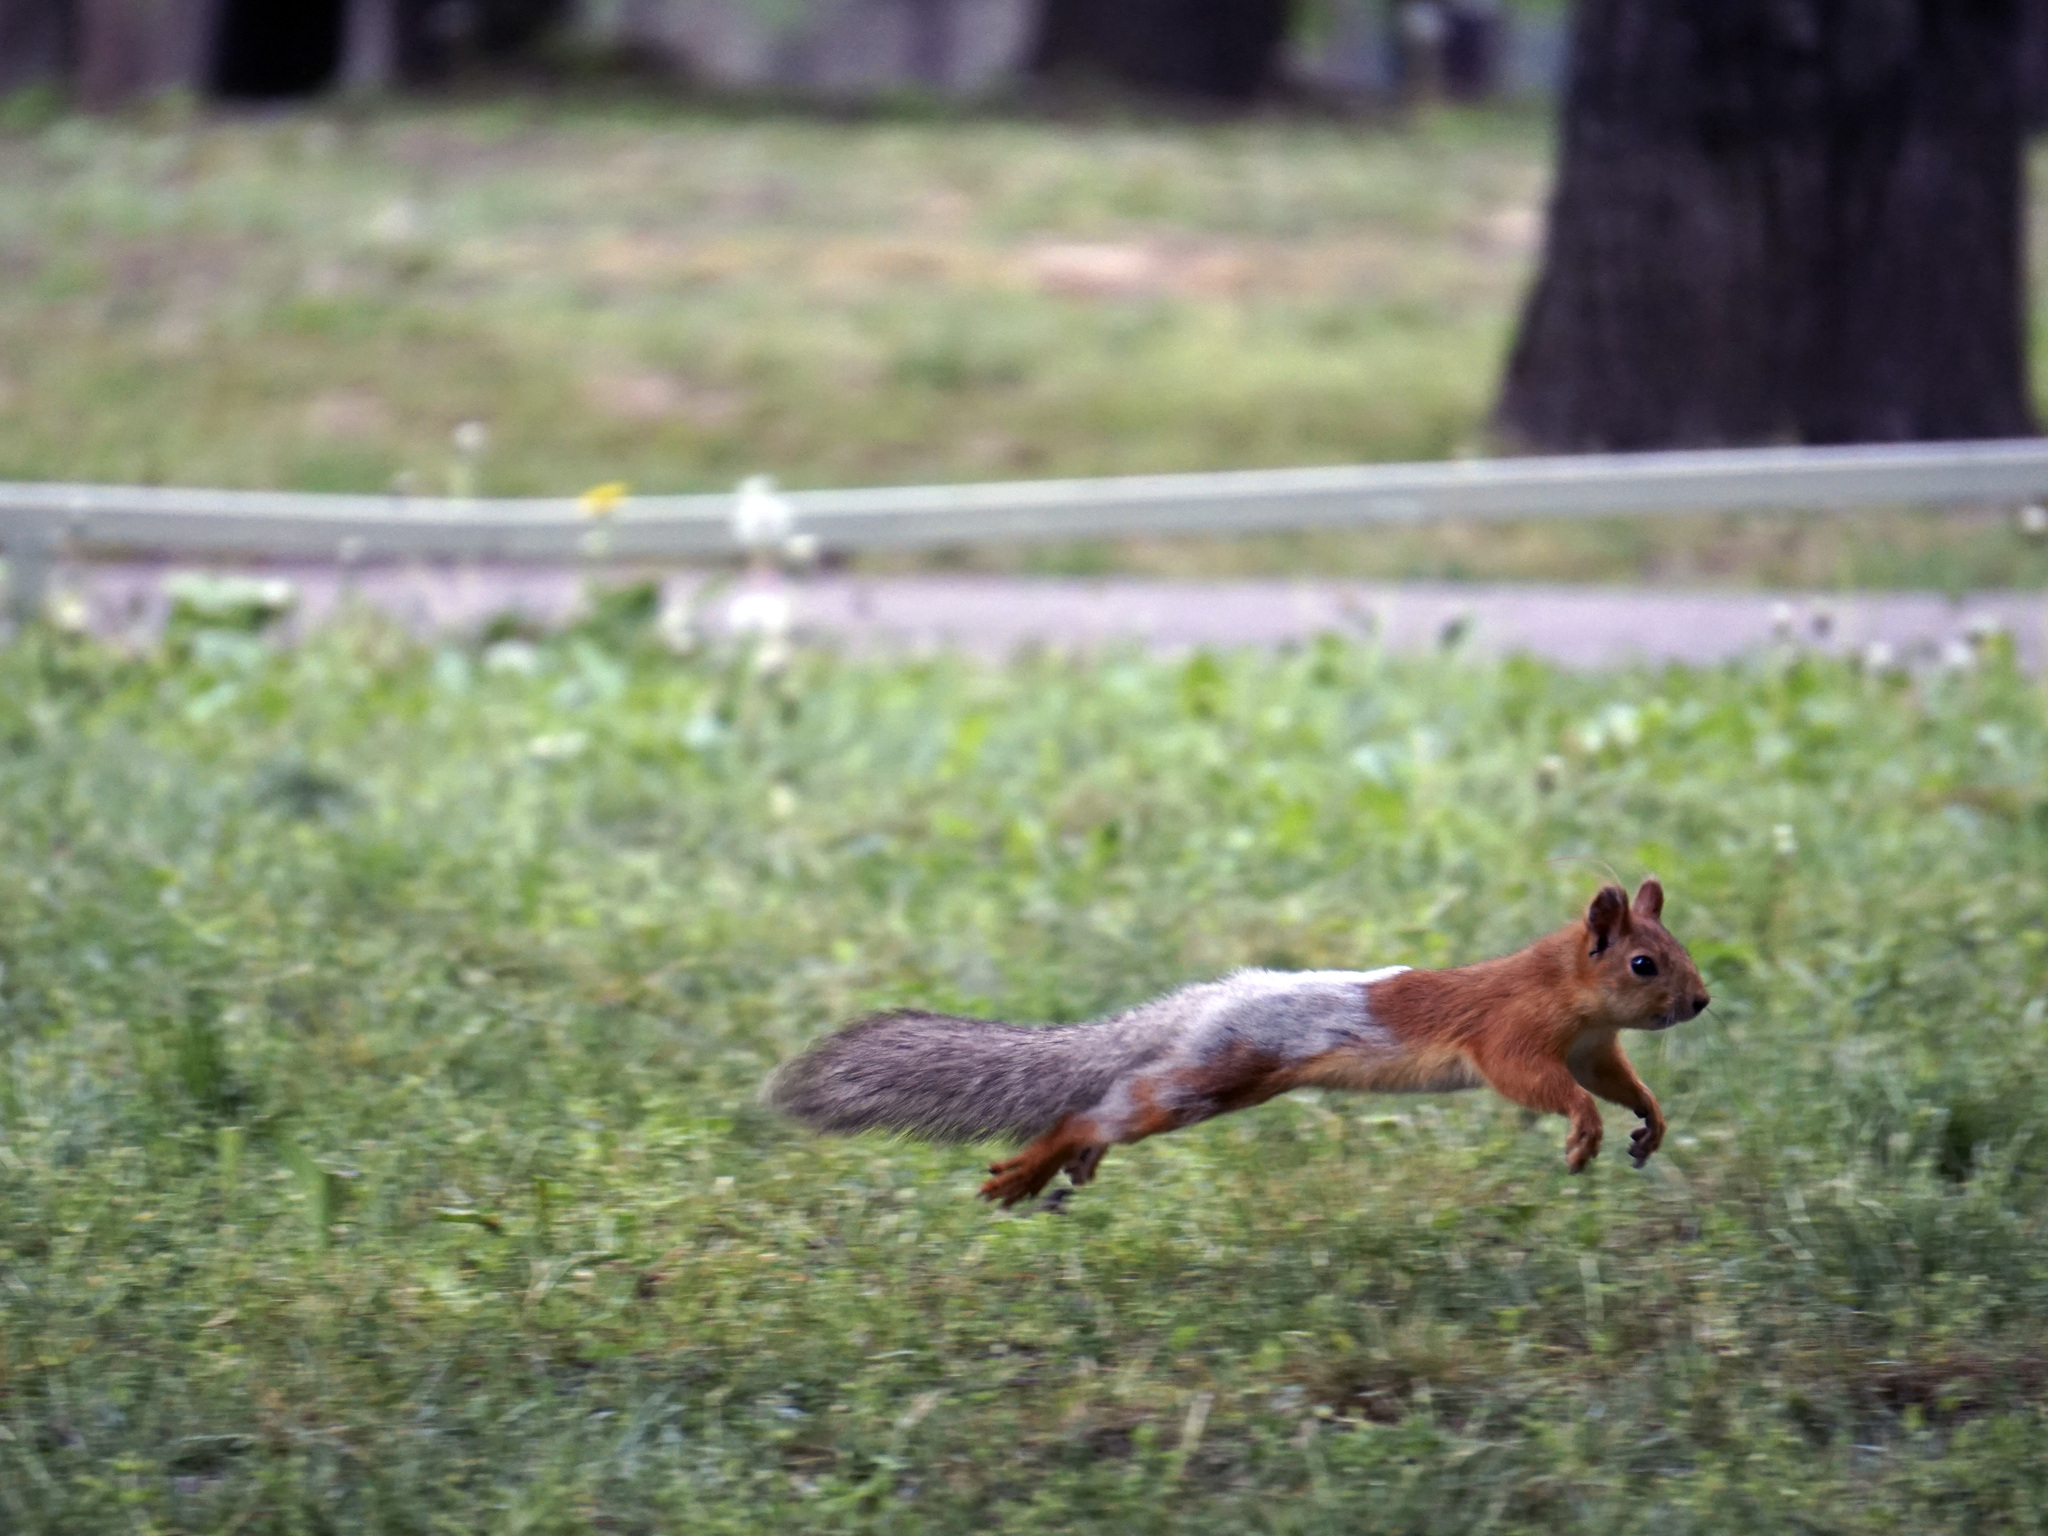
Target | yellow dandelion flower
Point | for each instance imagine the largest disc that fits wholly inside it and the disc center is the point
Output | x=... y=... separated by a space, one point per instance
x=601 y=500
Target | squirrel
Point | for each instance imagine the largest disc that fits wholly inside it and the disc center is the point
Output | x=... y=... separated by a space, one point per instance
x=1540 y=1026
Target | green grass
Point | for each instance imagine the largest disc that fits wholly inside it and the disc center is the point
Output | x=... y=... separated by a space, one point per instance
x=379 y=1150
x=676 y=299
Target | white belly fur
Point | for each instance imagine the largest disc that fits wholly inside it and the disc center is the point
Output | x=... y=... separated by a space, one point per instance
x=1318 y=1020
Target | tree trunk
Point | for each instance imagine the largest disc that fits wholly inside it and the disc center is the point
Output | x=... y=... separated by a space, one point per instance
x=1780 y=220
x=132 y=48
x=434 y=40
x=266 y=51
x=1220 y=50
x=35 y=42
x=932 y=24
x=2032 y=63
x=369 y=46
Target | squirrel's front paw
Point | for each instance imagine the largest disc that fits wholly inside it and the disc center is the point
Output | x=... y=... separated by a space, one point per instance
x=1645 y=1139
x=1582 y=1146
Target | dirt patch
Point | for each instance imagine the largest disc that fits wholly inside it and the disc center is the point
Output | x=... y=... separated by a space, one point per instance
x=654 y=397
x=1515 y=231
x=1235 y=270
x=636 y=258
x=849 y=267
x=1139 y=269
x=347 y=414
x=1096 y=271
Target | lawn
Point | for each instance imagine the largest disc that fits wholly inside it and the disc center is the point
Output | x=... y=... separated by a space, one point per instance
x=676 y=298
x=379 y=1148
x=679 y=300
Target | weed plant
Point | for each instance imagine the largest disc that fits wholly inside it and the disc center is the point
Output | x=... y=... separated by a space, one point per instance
x=379 y=1148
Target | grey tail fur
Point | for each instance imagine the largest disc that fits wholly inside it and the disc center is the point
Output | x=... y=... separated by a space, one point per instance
x=948 y=1079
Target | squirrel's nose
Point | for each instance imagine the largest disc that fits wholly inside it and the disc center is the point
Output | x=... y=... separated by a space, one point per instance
x=1699 y=1004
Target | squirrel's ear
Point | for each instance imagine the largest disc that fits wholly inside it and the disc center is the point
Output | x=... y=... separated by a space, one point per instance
x=1606 y=916
x=1650 y=901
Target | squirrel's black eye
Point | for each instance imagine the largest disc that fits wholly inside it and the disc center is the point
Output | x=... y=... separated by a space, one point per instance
x=1643 y=965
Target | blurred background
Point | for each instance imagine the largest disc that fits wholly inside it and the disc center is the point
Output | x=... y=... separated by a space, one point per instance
x=671 y=244
x=1229 y=52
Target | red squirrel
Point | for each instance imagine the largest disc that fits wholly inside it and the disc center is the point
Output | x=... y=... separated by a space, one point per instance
x=1541 y=1027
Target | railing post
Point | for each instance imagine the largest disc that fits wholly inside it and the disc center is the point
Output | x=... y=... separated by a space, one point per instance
x=27 y=544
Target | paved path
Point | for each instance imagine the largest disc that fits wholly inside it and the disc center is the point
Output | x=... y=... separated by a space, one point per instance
x=1578 y=626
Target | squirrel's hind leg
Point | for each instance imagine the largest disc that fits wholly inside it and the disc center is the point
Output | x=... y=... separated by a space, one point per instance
x=1067 y=1145
x=1082 y=1169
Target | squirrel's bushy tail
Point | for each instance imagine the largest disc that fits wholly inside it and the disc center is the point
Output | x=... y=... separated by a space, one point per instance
x=944 y=1078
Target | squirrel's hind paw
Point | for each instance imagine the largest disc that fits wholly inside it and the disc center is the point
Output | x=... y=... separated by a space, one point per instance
x=1581 y=1148
x=1067 y=1145
x=1016 y=1180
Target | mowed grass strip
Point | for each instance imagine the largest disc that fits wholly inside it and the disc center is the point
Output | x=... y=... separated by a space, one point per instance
x=676 y=301
x=379 y=1148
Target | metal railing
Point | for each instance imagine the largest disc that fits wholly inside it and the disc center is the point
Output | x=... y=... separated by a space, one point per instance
x=42 y=523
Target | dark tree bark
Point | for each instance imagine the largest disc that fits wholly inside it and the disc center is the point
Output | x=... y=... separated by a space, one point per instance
x=932 y=25
x=1781 y=220
x=263 y=49
x=35 y=41
x=434 y=40
x=1219 y=50
x=2032 y=63
x=369 y=45
x=132 y=48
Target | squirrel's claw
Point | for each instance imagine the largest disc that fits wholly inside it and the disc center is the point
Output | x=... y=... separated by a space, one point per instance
x=1016 y=1179
x=1581 y=1148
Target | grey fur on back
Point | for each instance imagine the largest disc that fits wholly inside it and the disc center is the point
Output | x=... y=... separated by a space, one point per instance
x=953 y=1079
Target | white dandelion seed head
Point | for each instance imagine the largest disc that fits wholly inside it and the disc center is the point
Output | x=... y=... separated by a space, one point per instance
x=470 y=438
x=702 y=731
x=762 y=518
x=1784 y=841
x=1618 y=725
x=557 y=747
x=514 y=658
x=396 y=223
x=257 y=600
x=677 y=627
x=761 y=611
x=69 y=613
x=2033 y=520
x=1879 y=656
